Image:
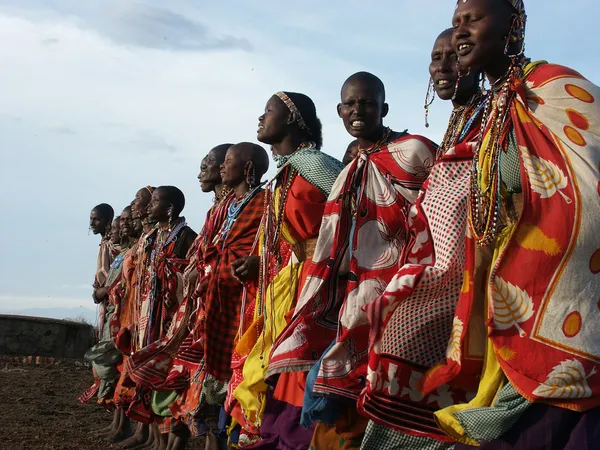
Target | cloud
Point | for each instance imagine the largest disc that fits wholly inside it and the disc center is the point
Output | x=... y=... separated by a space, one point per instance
x=138 y=24
x=63 y=130
x=49 y=41
x=147 y=141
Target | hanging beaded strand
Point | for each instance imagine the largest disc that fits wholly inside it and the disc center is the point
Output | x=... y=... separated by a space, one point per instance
x=429 y=98
x=484 y=216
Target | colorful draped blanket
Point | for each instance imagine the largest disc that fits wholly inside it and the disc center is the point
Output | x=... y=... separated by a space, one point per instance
x=411 y=321
x=360 y=241
x=544 y=289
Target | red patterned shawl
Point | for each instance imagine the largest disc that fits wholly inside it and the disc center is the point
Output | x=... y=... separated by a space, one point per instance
x=544 y=315
x=339 y=284
x=223 y=298
x=411 y=321
x=163 y=294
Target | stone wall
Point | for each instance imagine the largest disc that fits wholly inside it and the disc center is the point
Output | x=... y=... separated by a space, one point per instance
x=37 y=336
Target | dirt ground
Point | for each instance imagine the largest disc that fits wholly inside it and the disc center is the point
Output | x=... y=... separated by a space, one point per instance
x=39 y=408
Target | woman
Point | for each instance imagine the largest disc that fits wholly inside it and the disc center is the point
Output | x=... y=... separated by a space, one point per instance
x=223 y=294
x=101 y=219
x=411 y=321
x=101 y=222
x=133 y=264
x=360 y=239
x=104 y=356
x=295 y=200
x=536 y=160
x=164 y=260
x=177 y=356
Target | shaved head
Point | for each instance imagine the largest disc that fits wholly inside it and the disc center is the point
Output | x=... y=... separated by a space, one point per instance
x=219 y=151
x=249 y=151
x=366 y=79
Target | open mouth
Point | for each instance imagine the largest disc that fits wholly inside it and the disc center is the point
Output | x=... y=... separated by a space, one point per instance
x=357 y=124
x=260 y=127
x=444 y=83
x=463 y=48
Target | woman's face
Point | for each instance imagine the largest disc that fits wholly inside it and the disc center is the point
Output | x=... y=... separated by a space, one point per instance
x=273 y=124
x=139 y=205
x=481 y=28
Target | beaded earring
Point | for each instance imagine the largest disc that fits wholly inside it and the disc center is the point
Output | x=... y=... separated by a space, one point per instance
x=170 y=214
x=251 y=176
x=429 y=98
x=516 y=34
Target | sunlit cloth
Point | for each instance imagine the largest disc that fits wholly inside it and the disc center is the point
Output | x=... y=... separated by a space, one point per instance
x=161 y=295
x=170 y=369
x=412 y=319
x=128 y=311
x=360 y=242
x=544 y=328
x=224 y=292
x=302 y=213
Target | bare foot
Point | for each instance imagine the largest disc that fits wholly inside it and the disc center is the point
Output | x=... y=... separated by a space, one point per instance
x=140 y=437
x=110 y=429
x=163 y=440
x=179 y=438
x=123 y=431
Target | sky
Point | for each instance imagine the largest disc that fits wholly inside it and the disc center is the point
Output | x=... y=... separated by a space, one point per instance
x=101 y=98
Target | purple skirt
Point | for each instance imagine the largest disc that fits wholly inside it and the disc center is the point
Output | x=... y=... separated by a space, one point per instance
x=545 y=427
x=281 y=429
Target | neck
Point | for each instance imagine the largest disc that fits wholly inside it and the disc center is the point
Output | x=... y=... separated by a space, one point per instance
x=497 y=70
x=219 y=191
x=366 y=142
x=288 y=145
x=166 y=223
x=240 y=190
x=146 y=225
x=464 y=98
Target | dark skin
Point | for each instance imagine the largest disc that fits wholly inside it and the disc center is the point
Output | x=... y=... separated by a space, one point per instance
x=210 y=171
x=235 y=168
x=127 y=228
x=278 y=128
x=233 y=172
x=444 y=73
x=480 y=31
x=362 y=110
x=101 y=294
x=159 y=209
x=98 y=222
x=351 y=152
x=139 y=207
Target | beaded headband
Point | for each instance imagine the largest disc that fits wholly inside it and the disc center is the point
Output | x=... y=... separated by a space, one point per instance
x=518 y=5
x=293 y=109
x=150 y=189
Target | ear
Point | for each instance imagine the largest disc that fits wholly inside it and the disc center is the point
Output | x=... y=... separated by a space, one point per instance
x=291 y=118
x=385 y=110
x=339 y=110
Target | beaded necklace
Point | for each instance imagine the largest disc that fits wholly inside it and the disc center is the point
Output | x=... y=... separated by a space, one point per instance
x=233 y=212
x=387 y=132
x=485 y=204
x=461 y=122
x=271 y=226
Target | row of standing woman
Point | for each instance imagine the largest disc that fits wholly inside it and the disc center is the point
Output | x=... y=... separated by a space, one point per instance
x=421 y=297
